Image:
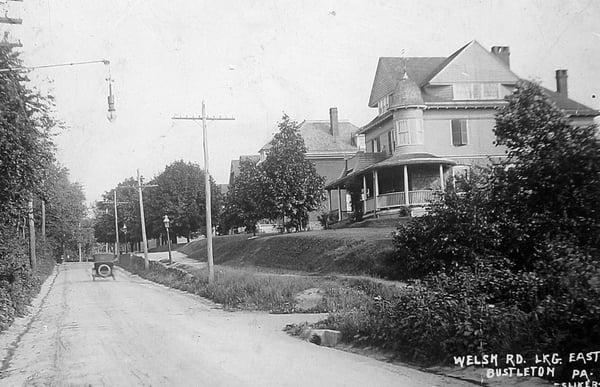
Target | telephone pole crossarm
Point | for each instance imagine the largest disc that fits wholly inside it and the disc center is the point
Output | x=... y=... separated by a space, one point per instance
x=192 y=118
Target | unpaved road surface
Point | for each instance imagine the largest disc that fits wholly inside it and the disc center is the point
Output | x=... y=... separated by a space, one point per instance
x=131 y=332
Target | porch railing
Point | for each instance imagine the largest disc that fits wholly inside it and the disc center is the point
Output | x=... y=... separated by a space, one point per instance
x=420 y=197
x=391 y=199
x=370 y=204
x=397 y=199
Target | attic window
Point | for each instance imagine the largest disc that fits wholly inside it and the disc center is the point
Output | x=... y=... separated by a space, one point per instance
x=476 y=91
x=384 y=104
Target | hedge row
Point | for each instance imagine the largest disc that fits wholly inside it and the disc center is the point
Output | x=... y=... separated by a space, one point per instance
x=18 y=283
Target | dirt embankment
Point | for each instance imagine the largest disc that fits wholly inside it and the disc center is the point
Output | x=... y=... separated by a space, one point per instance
x=351 y=251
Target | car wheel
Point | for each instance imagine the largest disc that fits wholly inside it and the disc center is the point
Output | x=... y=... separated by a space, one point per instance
x=104 y=270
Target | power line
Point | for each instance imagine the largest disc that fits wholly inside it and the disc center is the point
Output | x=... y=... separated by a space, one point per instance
x=27 y=68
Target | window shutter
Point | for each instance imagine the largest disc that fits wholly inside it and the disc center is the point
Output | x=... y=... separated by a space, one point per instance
x=463 y=132
x=402 y=127
x=456 y=132
x=459 y=132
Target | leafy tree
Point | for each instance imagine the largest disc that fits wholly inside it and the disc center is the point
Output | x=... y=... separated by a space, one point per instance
x=65 y=209
x=293 y=186
x=519 y=241
x=245 y=201
x=553 y=184
x=547 y=190
x=181 y=195
x=26 y=152
x=25 y=144
x=127 y=210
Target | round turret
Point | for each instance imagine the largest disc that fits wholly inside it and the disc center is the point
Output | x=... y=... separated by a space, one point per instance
x=407 y=93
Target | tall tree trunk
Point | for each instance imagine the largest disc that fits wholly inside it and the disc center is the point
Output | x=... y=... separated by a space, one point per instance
x=43 y=229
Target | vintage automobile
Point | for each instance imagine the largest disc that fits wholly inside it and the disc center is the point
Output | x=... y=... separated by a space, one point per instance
x=103 y=266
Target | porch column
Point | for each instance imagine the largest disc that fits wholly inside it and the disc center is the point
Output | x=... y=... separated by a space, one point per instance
x=329 y=200
x=365 y=194
x=406 y=201
x=376 y=188
x=442 y=183
x=339 y=204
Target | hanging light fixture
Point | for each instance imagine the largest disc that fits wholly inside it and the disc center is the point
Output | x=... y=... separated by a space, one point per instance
x=112 y=113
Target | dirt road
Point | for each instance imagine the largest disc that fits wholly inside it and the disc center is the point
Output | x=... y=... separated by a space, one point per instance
x=132 y=332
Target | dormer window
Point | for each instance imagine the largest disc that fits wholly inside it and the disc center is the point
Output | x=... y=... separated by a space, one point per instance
x=476 y=91
x=384 y=104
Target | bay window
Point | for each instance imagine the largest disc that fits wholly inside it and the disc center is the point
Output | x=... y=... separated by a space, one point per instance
x=410 y=131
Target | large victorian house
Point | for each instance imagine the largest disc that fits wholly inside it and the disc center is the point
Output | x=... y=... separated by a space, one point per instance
x=435 y=118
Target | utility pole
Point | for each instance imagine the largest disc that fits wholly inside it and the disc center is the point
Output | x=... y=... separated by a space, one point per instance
x=115 y=202
x=209 y=249
x=32 y=258
x=43 y=228
x=116 y=224
x=79 y=241
x=117 y=245
x=143 y=221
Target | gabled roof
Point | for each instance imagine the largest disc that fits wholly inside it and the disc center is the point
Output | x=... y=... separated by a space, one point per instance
x=445 y=63
x=440 y=70
x=317 y=137
x=472 y=63
x=391 y=69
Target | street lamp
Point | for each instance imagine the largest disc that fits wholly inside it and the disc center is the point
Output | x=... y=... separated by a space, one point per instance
x=124 y=229
x=167 y=222
x=112 y=114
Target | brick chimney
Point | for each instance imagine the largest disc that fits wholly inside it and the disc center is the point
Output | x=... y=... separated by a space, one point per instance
x=561 y=82
x=503 y=53
x=334 y=129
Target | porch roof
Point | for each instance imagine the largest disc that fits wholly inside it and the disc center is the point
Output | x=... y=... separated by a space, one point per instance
x=394 y=160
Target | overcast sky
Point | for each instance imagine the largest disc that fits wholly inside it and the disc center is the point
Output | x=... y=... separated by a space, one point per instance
x=255 y=60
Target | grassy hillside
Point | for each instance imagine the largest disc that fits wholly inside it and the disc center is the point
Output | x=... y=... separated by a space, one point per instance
x=352 y=251
x=163 y=248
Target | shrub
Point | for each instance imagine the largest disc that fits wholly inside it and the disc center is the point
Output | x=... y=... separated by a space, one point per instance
x=18 y=283
x=7 y=310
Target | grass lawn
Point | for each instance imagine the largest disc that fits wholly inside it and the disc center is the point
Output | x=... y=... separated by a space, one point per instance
x=239 y=288
x=349 y=251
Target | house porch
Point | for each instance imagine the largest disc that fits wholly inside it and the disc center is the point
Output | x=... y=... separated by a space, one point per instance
x=392 y=185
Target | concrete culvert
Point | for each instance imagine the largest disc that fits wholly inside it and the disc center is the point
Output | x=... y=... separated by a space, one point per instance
x=315 y=339
x=104 y=270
